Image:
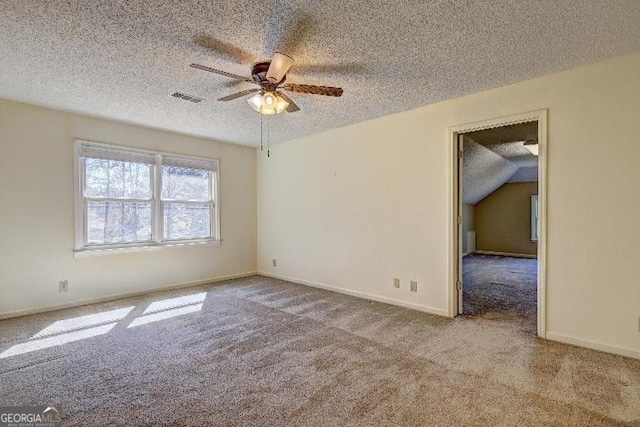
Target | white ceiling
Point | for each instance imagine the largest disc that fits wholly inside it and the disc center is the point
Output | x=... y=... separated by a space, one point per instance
x=121 y=59
x=494 y=157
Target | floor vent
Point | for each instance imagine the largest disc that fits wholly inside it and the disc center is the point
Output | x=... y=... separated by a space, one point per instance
x=186 y=97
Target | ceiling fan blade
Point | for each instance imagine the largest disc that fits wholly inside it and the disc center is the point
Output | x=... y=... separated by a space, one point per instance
x=224 y=73
x=279 y=66
x=292 y=107
x=234 y=83
x=238 y=94
x=314 y=90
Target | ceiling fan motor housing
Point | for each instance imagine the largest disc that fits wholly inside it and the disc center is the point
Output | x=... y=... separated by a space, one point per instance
x=259 y=74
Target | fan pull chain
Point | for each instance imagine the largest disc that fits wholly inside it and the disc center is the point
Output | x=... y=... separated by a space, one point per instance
x=261 y=149
x=268 y=138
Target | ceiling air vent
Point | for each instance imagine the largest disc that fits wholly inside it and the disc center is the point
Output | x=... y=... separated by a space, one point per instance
x=186 y=97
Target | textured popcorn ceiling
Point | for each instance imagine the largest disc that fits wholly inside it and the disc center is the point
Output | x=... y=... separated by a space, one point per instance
x=121 y=59
x=494 y=157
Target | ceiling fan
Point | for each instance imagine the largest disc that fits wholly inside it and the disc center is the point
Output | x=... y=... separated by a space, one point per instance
x=270 y=76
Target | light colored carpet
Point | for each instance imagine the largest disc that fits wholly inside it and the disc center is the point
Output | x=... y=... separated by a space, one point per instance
x=501 y=289
x=264 y=352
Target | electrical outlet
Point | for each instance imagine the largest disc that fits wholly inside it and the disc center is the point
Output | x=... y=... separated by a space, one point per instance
x=413 y=286
x=275 y=263
x=396 y=283
x=63 y=286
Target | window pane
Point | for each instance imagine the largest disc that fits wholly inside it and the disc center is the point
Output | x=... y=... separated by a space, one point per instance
x=535 y=221
x=186 y=221
x=118 y=222
x=180 y=183
x=117 y=179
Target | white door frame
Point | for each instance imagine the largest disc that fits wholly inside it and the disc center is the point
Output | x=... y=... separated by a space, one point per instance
x=455 y=253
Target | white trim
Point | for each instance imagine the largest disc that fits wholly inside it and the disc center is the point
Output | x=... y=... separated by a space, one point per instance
x=532 y=116
x=594 y=345
x=363 y=295
x=157 y=222
x=460 y=222
x=216 y=211
x=93 y=251
x=193 y=283
x=481 y=252
x=78 y=219
x=542 y=223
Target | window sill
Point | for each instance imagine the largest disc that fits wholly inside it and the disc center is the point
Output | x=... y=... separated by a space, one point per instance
x=86 y=252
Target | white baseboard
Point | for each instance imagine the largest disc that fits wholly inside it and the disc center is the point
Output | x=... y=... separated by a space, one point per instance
x=479 y=252
x=364 y=295
x=44 y=309
x=622 y=351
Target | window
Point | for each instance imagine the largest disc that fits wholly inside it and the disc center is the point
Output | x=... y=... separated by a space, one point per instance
x=129 y=198
x=535 y=221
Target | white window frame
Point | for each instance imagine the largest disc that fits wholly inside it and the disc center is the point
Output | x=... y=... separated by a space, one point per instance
x=157 y=242
x=535 y=218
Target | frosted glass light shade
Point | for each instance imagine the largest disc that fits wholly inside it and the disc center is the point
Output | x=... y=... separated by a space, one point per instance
x=255 y=102
x=267 y=103
x=281 y=105
x=269 y=100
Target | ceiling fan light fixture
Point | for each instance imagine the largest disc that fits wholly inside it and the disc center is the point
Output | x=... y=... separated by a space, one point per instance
x=267 y=103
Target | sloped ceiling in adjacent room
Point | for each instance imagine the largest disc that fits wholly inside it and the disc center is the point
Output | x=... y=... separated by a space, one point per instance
x=122 y=59
x=494 y=157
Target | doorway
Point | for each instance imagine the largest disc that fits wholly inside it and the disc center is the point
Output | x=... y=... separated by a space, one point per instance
x=496 y=271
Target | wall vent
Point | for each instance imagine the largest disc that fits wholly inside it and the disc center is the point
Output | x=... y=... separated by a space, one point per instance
x=186 y=97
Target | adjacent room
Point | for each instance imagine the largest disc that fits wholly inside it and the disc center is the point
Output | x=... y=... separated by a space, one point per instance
x=309 y=213
x=499 y=227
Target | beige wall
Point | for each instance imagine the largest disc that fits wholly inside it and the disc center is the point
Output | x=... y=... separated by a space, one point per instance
x=354 y=207
x=37 y=225
x=503 y=220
